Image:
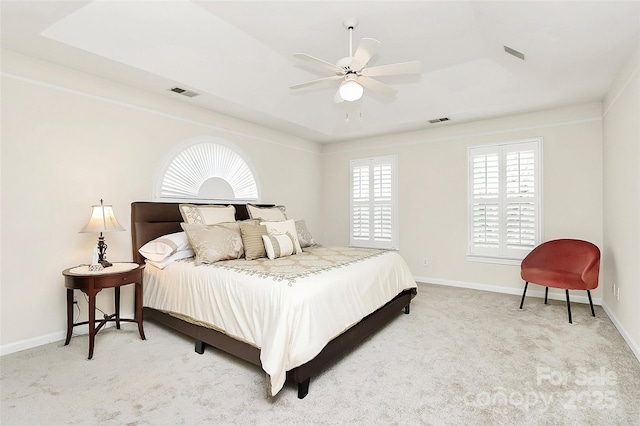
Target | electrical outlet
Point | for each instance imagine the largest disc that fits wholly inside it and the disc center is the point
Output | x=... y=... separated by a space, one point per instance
x=425 y=261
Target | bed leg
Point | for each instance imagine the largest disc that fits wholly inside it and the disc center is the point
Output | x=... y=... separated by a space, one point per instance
x=407 y=309
x=303 y=388
x=200 y=345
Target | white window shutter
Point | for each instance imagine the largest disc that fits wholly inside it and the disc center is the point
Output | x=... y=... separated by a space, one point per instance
x=521 y=200
x=373 y=203
x=192 y=167
x=504 y=199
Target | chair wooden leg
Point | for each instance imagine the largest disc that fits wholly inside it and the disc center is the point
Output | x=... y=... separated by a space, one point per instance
x=526 y=283
x=568 y=307
x=546 y=294
x=593 y=313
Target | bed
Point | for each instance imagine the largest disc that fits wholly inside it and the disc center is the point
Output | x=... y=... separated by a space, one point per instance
x=265 y=347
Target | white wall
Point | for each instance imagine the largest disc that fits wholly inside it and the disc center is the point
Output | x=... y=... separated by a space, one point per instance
x=432 y=178
x=69 y=139
x=621 y=126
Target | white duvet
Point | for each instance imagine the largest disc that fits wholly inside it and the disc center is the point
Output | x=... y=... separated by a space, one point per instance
x=289 y=320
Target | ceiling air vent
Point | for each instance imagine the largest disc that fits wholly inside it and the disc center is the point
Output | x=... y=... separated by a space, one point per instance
x=184 y=92
x=514 y=52
x=439 y=120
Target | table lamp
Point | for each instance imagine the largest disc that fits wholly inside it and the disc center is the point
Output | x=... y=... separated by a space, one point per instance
x=102 y=220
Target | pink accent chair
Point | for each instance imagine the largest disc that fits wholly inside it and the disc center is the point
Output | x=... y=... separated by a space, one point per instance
x=567 y=264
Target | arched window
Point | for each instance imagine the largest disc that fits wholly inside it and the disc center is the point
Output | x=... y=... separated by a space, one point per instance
x=206 y=169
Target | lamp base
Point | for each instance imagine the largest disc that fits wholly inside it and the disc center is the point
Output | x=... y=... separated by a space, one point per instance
x=102 y=252
x=105 y=263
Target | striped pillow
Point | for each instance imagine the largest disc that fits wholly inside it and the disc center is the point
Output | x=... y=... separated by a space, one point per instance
x=252 y=240
x=279 y=245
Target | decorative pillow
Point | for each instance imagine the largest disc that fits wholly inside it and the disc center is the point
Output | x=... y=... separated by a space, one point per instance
x=207 y=215
x=162 y=247
x=276 y=213
x=184 y=254
x=252 y=240
x=286 y=226
x=278 y=245
x=213 y=243
x=304 y=236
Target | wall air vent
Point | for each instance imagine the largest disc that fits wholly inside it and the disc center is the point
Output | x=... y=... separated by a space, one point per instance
x=439 y=120
x=514 y=52
x=184 y=92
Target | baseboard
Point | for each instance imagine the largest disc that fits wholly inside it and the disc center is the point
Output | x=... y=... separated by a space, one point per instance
x=50 y=338
x=32 y=343
x=635 y=347
x=531 y=292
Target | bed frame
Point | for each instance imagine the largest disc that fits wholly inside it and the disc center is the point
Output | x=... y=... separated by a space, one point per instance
x=150 y=220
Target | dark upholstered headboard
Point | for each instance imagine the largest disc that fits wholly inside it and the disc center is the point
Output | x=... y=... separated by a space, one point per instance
x=150 y=220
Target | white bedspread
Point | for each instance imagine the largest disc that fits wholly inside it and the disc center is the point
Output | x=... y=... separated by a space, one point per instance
x=290 y=316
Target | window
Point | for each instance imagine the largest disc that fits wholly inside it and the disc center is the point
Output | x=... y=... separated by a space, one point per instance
x=206 y=168
x=504 y=201
x=374 y=203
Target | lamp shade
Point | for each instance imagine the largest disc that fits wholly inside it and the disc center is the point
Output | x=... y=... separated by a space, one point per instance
x=102 y=220
x=351 y=90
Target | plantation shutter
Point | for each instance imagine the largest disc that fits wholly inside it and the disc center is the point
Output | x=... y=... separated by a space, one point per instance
x=486 y=201
x=373 y=203
x=521 y=200
x=201 y=162
x=504 y=200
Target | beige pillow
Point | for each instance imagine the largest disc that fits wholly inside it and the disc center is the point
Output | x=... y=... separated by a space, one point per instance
x=213 y=243
x=304 y=236
x=276 y=213
x=278 y=245
x=284 y=227
x=252 y=240
x=208 y=214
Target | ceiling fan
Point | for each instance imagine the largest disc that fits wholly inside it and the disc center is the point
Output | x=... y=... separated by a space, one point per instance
x=353 y=70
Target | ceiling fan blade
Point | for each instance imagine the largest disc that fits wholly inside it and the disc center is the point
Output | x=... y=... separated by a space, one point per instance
x=376 y=86
x=319 y=63
x=320 y=80
x=413 y=67
x=366 y=49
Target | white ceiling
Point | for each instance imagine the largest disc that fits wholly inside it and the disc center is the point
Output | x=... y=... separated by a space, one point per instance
x=238 y=55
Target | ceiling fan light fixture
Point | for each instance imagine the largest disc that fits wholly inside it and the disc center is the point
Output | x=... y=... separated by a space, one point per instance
x=351 y=90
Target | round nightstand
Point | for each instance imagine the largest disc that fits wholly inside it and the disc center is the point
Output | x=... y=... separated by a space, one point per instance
x=91 y=283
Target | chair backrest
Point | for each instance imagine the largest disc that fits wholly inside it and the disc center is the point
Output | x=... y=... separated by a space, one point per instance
x=576 y=256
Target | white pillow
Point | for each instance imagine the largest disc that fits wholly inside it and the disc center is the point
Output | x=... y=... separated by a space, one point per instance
x=276 y=213
x=162 y=247
x=184 y=254
x=278 y=245
x=207 y=214
x=283 y=227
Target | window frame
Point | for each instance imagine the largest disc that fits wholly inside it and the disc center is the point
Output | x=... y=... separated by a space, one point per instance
x=371 y=241
x=503 y=254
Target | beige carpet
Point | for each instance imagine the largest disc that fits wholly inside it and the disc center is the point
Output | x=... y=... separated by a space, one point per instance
x=461 y=357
